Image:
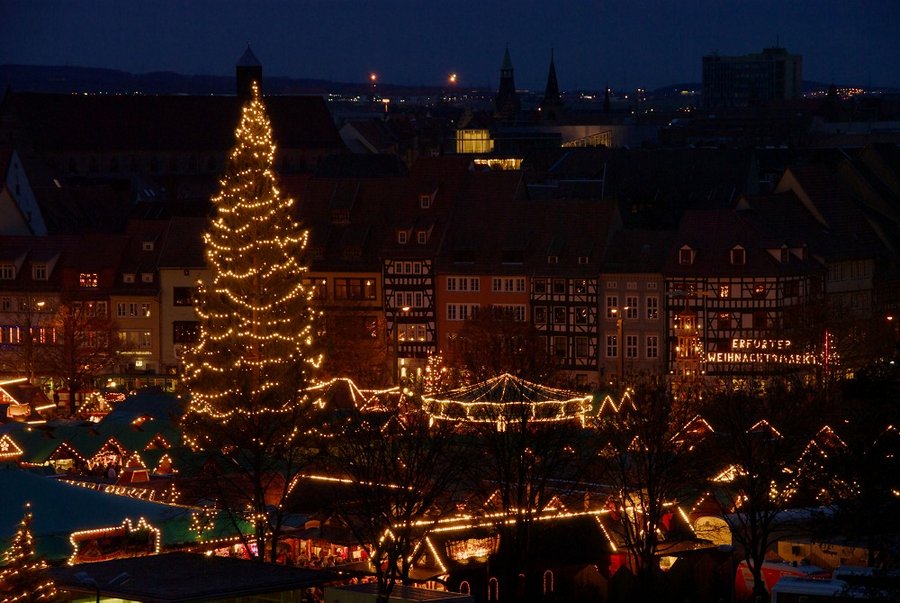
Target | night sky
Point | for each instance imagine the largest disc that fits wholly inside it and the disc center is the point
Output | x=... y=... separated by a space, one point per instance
x=625 y=43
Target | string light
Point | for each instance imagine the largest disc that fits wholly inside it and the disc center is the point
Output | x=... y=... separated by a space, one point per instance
x=24 y=575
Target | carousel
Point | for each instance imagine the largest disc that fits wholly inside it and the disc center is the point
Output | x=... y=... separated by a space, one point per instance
x=508 y=399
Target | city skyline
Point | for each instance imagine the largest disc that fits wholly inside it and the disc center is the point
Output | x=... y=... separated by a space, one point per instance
x=649 y=43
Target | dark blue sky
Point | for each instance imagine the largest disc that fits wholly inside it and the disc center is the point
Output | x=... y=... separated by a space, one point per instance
x=627 y=43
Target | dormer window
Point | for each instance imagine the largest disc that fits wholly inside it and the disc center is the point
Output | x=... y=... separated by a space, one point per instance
x=785 y=255
x=686 y=256
x=422 y=237
x=738 y=256
x=425 y=201
x=87 y=279
x=7 y=272
x=582 y=259
x=401 y=237
x=146 y=277
x=128 y=277
x=147 y=246
x=552 y=259
x=39 y=272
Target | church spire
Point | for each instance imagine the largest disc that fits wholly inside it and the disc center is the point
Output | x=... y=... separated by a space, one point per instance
x=552 y=101
x=247 y=71
x=506 y=104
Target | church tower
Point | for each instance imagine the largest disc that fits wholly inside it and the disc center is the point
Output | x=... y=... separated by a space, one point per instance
x=506 y=104
x=247 y=71
x=551 y=105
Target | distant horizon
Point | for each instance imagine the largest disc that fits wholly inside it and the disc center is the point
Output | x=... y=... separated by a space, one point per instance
x=594 y=43
x=806 y=81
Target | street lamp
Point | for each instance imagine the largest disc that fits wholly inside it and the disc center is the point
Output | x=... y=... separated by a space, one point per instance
x=396 y=328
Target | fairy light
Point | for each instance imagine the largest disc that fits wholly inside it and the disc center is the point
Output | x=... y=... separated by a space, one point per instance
x=257 y=322
x=505 y=398
x=8 y=448
x=24 y=576
x=127 y=527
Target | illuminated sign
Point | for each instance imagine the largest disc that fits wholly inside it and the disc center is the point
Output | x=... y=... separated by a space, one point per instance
x=764 y=351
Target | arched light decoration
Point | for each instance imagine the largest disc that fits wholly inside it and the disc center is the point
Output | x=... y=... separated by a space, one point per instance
x=507 y=399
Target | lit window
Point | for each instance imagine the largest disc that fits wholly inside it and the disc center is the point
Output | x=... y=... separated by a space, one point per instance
x=87 y=279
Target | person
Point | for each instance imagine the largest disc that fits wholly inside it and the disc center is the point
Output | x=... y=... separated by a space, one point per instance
x=111 y=473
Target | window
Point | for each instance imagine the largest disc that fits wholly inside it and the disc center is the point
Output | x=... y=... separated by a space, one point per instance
x=559 y=347
x=760 y=320
x=581 y=315
x=652 y=286
x=354 y=288
x=147 y=246
x=612 y=306
x=508 y=285
x=631 y=346
x=612 y=346
x=461 y=311
x=612 y=285
x=401 y=237
x=6 y=304
x=685 y=256
x=516 y=312
x=790 y=288
x=652 y=346
x=539 y=285
x=7 y=272
x=631 y=285
x=422 y=237
x=424 y=201
x=146 y=277
x=559 y=287
x=411 y=332
x=582 y=259
x=39 y=272
x=452 y=283
x=738 y=256
x=185 y=331
x=559 y=315
x=552 y=259
x=631 y=307
x=652 y=307
x=128 y=277
x=145 y=310
x=183 y=296
x=724 y=291
x=10 y=334
x=319 y=287
x=759 y=291
x=723 y=320
x=540 y=315
x=87 y=279
x=121 y=310
x=581 y=347
x=581 y=287
x=548 y=582
x=451 y=311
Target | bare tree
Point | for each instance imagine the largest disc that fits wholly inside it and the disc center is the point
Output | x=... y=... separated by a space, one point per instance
x=405 y=474
x=646 y=458
x=86 y=344
x=494 y=343
x=760 y=434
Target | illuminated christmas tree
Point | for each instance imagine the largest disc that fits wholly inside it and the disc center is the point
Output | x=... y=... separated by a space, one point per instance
x=24 y=576
x=256 y=349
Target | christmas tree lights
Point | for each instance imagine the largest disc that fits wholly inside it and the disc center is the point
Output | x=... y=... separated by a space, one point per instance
x=256 y=354
x=24 y=576
x=256 y=332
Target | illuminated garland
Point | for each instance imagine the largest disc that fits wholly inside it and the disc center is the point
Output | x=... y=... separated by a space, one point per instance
x=256 y=318
x=507 y=399
x=24 y=576
x=125 y=529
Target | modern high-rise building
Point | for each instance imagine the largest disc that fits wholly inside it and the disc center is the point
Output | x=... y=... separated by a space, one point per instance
x=747 y=80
